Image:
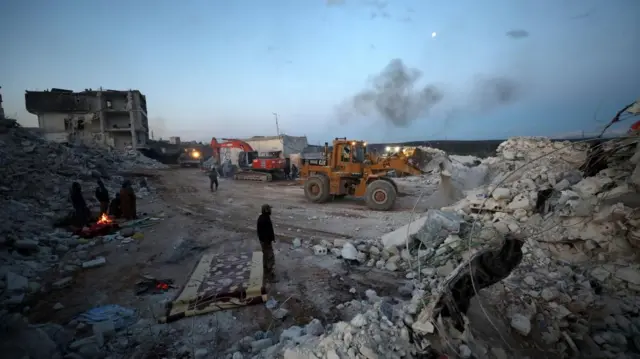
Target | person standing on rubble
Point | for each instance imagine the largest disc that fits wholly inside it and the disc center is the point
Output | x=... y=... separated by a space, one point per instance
x=266 y=236
x=294 y=171
x=102 y=195
x=81 y=213
x=128 y=201
x=213 y=178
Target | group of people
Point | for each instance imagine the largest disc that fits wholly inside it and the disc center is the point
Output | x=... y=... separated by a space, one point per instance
x=291 y=173
x=123 y=205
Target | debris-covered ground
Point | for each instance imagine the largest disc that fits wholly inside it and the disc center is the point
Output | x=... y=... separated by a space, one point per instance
x=516 y=256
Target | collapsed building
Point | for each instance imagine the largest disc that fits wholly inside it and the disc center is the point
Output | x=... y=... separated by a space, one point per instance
x=93 y=117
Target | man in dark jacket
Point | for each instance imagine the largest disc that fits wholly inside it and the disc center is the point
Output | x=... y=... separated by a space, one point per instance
x=267 y=237
x=102 y=195
x=213 y=178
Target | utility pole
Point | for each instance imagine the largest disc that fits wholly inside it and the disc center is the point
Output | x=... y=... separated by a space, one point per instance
x=277 y=126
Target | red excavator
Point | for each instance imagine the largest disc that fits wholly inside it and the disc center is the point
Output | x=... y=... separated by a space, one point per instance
x=252 y=166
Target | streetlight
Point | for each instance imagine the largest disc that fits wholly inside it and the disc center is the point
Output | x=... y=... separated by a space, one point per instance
x=277 y=127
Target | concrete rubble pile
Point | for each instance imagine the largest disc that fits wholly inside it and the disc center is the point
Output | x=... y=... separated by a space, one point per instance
x=35 y=177
x=573 y=288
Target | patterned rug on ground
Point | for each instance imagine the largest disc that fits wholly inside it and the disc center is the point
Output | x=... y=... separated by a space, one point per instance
x=219 y=282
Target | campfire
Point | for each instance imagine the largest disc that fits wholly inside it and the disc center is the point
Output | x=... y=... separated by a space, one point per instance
x=104 y=219
x=103 y=226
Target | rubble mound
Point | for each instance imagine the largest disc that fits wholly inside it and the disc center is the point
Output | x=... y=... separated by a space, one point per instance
x=570 y=286
x=35 y=177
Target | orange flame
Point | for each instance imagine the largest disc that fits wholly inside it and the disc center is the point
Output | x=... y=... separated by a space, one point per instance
x=104 y=219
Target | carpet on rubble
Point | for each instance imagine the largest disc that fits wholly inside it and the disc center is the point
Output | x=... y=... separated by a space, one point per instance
x=220 y=282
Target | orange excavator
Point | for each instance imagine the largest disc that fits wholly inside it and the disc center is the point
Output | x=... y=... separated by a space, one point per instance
x=252 y=166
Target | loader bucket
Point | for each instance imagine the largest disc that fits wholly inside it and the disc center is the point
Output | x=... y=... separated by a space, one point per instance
x=420 y=159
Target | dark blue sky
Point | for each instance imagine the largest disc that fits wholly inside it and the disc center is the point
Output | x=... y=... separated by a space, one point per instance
x=221 y=68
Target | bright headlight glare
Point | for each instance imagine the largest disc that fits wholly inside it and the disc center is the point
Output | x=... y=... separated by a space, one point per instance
x=397 y=148
x=388 y=149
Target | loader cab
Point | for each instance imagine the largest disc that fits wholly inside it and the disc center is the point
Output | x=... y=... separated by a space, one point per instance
x=349 y=155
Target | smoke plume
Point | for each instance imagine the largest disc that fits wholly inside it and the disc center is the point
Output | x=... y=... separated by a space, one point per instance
x=394 y=95
x=517 y=34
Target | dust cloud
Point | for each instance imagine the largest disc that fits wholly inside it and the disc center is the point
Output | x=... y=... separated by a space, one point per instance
x=395 y=95
x=489 y=93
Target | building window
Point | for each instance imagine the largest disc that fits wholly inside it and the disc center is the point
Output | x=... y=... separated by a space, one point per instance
x=109 y=104
x=80 y=123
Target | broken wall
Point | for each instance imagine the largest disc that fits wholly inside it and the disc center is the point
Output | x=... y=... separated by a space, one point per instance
x=58 y=101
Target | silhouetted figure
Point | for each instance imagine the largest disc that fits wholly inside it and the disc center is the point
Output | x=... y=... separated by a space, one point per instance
x=115 y=210
x=102 y=195
x=287 y=172
x=81 y=213
x=213 y=179
x=128 y=201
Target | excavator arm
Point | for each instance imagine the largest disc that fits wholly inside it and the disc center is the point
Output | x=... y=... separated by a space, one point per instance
x=229 y=143
x=253 y=168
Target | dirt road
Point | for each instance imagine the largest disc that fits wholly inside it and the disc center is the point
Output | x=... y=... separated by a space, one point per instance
x=193 y=220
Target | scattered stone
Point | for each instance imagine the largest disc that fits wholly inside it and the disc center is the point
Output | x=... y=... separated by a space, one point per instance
x=521 y=324
x=98 y=262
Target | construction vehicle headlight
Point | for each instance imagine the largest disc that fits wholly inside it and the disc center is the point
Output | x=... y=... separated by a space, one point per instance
x=353 y=143
x=364 y=144
x=388 y=149
x=195 y=154
x=397 y=149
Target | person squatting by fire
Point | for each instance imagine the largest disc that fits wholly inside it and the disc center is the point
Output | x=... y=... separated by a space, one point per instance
x=128 y=201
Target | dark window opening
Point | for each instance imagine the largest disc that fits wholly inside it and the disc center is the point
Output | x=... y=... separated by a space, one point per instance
x=359 y=154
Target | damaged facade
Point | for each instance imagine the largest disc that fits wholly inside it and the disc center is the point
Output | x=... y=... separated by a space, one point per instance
x=94 y=117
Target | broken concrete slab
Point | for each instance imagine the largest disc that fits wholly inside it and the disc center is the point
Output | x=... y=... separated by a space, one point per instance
x=399 y=236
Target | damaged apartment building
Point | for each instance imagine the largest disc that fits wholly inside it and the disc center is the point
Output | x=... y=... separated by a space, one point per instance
x=92 y=117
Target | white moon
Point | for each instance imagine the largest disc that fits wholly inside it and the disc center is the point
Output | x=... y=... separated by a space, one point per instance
x=433 y=34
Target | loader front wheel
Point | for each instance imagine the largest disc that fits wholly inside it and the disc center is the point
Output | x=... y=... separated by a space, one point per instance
x=316 y=189
x=380 y=195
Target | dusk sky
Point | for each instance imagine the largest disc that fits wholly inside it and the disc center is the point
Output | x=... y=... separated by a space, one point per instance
x=492 y=68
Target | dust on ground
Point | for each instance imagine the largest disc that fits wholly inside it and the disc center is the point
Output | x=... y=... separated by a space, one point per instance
x=193 y=220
